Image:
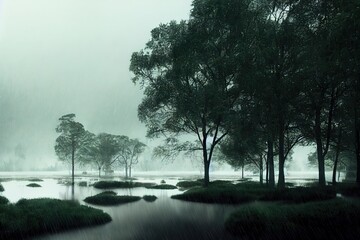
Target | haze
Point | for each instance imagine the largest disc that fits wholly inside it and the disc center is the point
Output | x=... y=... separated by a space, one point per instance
x=71 y=56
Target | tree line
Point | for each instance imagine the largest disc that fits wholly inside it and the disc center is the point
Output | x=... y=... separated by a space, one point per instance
x=75 y=145
x=255 y=79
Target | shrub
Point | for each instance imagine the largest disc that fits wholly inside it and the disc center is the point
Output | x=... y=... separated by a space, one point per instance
x=3 y=200
x=162 y=181
x=1 y=188
x=36 y=216
x=110 y=199
x=332 y=219
x=82 y=184
x=188 y=184
x=162 y=186
x=118 y=184
x=149 y=198
x=33 y=185
x=215 y=194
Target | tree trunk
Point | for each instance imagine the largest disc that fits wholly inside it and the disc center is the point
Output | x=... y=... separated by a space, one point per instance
x=99 y=171
x=261 y=171
x=319 y=148
x=126 y=171
x=206 y=173
x=336 y=158
x=270 y=160
x=267 y=173
x=357 y=142
x=130 y=171
x=73 y=170
x=242 y=170
x=281 y=180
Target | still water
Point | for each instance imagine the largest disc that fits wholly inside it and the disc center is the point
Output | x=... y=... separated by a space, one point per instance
x=165 y=218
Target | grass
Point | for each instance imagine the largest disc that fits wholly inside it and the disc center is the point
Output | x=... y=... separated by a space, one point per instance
x=149 y=198
x=348 y=189
x=332 y=219
x=108 y=193
x=109 y=199
x=27 y=218
x=118 y=184
x=162 y=186
x=33 y=185
x=228 y=193
x=82 y=184
x=225 y=194
x=1 y=188
x=188 y=184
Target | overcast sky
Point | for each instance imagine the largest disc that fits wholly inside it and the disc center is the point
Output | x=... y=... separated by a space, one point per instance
x=72 y=56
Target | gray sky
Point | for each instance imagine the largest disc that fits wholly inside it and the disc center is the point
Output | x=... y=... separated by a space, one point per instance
x=72 y=56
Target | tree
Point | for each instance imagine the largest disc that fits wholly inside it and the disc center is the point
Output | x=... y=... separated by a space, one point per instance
x=193 y=71
x=68 y=144
x=101 y=150
x=129 y=152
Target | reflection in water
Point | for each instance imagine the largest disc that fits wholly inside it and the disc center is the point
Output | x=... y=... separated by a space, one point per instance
x=165 y=218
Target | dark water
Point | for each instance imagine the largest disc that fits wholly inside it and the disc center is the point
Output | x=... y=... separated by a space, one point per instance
x=165 y=218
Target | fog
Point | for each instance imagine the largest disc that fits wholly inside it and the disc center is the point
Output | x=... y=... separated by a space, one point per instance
x=71 y=56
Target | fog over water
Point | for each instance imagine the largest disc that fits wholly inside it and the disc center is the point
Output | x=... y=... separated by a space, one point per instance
x=66 y=56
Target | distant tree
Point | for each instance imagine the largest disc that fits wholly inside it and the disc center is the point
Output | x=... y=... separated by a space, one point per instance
x=68 y=144
x=128 y=153
x=101 y=151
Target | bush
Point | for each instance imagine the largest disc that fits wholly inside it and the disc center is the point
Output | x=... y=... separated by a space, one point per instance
x=225 y=194
x=118 y=184
x=1 y=188
x=110 y=199
x=3 y=200
x=35 y=180
x=33 y=185
x=149 y=198
x=188 y=184
x=300 y=194
x=332 y=219
x=162 y=186
x=82 y=184
x=36 y=216
x=162 y=181
x=108 y=193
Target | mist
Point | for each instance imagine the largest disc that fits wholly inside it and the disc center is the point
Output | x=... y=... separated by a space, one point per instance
x=59 y=57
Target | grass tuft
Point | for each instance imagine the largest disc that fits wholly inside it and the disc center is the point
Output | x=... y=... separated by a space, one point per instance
x=118 y=184
x=149 y=198
x=162 y=186
x=108 y=199
x=33 y=185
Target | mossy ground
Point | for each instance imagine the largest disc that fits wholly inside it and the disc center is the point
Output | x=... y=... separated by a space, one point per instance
x=331 y=219
x=27 y=218
x=108 y=198
x=119 y=184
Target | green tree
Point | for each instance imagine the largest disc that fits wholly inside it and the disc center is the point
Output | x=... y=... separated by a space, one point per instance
x=68 y=144
x=129 y=152
x=193 y=72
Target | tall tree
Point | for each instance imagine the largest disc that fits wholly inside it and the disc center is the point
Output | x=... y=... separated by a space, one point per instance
x=71 y=138
x=192 y=73
x=129 y=152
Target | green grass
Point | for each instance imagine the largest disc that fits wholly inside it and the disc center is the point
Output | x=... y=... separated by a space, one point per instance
x=348 y=189
x=1 y=188
x=82 y=184
x=33 y=185
x=37 y=216
x=332 y=219
x=188 y=184
x=119 y=184
x=223 y=194
x=109 y=199
x=162 y=186
x=149 y=198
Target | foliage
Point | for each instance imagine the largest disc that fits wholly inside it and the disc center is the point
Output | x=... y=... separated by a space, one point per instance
x=33 y=185
x=37 y=216
x=118 y=184
x=188 y=184
x=3 y=200
x=1 y=188
x=107 y=199
x=162 y=186
x=149 y=198
x=332 y=219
